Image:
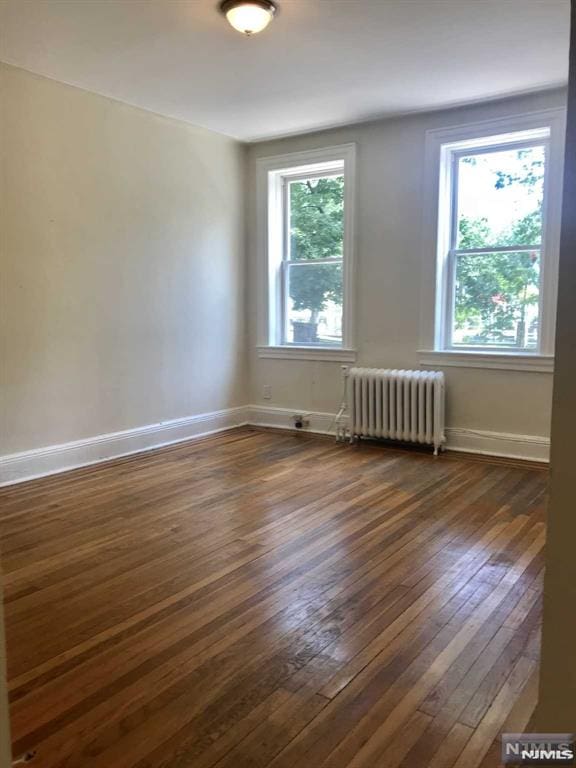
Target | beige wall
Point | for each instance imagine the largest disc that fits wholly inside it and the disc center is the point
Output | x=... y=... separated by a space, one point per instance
x=122 y=249
x=390 y=169
x=557 y=705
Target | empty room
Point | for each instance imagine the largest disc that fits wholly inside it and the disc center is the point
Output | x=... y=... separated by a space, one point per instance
x=287 y=383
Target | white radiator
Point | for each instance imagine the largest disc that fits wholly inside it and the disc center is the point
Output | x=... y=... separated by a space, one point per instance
x=395 y=405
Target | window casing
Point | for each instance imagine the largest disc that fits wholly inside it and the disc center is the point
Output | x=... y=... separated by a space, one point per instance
x=515 y=259
x=306 y=311
x=467 y=319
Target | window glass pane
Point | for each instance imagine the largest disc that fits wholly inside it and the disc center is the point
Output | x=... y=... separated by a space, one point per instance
x=496 y=300
x=314 y=304
x=317 y=218
x=500 y=198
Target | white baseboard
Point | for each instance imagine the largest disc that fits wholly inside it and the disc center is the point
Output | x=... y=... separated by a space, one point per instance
x=512 y=446
x=283 y=418
x=17 y=467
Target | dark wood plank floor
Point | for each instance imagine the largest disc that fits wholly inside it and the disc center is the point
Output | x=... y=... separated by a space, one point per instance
x=264 y=599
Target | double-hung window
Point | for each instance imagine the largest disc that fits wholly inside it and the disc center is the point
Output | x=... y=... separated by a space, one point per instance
x=306 y=204
x=496 y=232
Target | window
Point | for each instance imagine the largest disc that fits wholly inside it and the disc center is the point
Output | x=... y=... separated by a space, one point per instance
x=308 y=251
x=495 y=246
x=496 y=227
x=312 y=284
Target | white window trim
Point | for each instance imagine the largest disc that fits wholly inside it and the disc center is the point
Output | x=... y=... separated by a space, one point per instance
x=432 y=329
x=293 y=352
x=268 y=210
x=493 y=360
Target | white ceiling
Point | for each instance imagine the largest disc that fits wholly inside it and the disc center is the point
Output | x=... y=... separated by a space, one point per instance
x=320 y=63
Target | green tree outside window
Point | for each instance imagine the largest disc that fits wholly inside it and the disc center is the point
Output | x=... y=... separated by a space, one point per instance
x=316 y=232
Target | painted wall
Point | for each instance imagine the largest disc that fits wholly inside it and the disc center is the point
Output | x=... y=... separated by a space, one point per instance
x=556 y=712
x=390 y=167
x=122 y=246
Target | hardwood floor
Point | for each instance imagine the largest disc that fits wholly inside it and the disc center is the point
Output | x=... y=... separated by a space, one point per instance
x=264 y=599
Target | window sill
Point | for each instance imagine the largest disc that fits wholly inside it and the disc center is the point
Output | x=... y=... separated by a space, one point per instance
x=328 y=354
x=495 y=360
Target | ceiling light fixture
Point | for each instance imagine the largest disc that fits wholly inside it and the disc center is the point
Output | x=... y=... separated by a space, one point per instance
x=248 y=16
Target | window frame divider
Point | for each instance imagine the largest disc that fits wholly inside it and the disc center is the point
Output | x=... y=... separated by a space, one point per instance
x=496 y=249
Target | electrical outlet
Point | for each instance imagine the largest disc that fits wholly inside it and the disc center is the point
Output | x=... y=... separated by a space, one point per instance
x=267 y=392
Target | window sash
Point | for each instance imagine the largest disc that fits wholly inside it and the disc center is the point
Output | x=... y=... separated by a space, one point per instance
x=449 y=344
x=287 y=262
x=286 y=209
x=454 y=253
x=457 y=155
x=285 y=268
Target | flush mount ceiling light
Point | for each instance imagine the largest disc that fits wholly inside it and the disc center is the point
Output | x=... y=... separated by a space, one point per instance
x=248 y=16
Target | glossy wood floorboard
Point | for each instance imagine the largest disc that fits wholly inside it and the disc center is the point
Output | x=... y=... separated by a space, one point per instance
x=268 y=599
